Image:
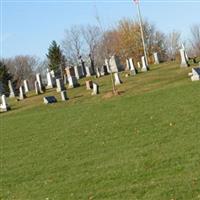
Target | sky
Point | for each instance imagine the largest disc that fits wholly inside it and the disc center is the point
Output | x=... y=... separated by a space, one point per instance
x=29 y=26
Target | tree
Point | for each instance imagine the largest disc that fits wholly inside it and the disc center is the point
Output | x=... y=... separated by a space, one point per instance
x=173 y=44
x=195 y=41
x=54 y=56
x=4 y=77
x=73 y=43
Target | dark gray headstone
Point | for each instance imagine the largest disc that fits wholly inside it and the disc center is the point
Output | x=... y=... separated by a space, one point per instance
x=49 y=99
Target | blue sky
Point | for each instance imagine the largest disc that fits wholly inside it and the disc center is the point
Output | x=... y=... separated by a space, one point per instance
x=28 y=26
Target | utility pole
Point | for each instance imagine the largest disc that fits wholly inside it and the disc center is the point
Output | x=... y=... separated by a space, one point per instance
x=141 y=28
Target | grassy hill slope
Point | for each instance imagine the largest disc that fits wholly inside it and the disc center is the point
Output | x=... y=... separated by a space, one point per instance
x=143 y=144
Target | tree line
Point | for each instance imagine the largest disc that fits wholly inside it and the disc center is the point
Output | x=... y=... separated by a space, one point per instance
x=93 y=42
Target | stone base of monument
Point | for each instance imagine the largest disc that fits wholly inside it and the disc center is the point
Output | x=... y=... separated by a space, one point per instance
x=49 y=100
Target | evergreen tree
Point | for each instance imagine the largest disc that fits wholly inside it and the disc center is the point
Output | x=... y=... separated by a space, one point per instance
x=54 y=56
x=4 y=77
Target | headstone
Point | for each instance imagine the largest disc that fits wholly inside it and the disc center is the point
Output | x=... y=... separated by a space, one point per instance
x=114 y=64
x=88 y=73
x=184 y=62
x=89 y=85
x=144 y=65
x=138 y=64
x=98 y=74
x=73 y=82
x=39 y=80
x=70 y=71
x=21 y=93
x=186 y=56
x=64 y=95
x=11 y=89
x=49 y=100
x=82 y=64
x=26 y=86
x=49 y=80
x=53 y=77
x=65 y=79
x=127 y=65
x=60 y=85
x=156 y=59
x=117 y=79
x=195 y=74
x=4 y=107
x=133 y=71
x=107 y=65
x=78 y=72
x=37 y=89
x=95 y=89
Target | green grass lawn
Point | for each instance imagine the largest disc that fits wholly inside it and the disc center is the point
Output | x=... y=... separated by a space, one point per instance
x=143 y=144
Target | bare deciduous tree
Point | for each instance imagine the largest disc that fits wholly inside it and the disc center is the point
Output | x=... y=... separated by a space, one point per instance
x=72 y=43
x=195 y=41
x=173 y=44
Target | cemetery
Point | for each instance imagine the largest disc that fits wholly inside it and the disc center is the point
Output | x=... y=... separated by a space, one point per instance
x=118 y=120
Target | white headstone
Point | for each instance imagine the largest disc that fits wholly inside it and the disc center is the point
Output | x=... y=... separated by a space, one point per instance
x=132 y=67
x=73 y=82
x=98 y=74
x=39 y=80
x=64 y=95
x=4 y=106
x=88 y=73
x=156 y=59
x=12 y=92
x=127 y=65
x=117 y=79
x=184 y=62
x=49 y=80
x=195 y=74
x=114 y=64
x=59 y=85
x=37 y=90
x=26 y=86
x=21 y=93
x=107 y=66
x=138 y=64
x=95 y=90
x=144 y=65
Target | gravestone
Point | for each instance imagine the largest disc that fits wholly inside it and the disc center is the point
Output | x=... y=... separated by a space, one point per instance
x=95 y=89
x=156 y=59
x=26 y=86
x=107 y=65
x=65 y=79
x=37 y=89
x=98 y=74
x=40 y=85
x=88 y=73
x=186 y=56
x=117 y=79
x=11 y=89
x=64 y=95
x=133 y=71
x=82 y=64
x=144 y=65
x=89 y=85
x=184 y=62
x=4 y=107
x=78 y=72
x=49 y=100
x=138 y=64
x=60 y=85
x=70 y=71
x=127 y=65
x=114 y=64
x=49 y=80
x=195 y=74
x=73 y=82
x=21 y=93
